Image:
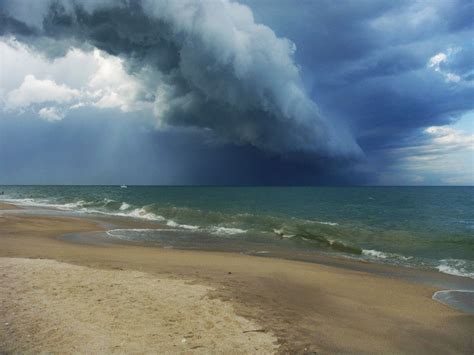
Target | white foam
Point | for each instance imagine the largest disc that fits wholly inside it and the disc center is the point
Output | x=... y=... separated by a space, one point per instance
x=278 y=231
x=124 y=206
x=140 y=213
x=46 y=203
x=374 y=253
x=27 y=202
x=328 y=223
x=70 y=206
x=172 y=223
x=455 y=267
x=226 y=230
x=381 y=255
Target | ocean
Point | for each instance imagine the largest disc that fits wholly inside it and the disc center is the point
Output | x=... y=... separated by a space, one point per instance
x=423 y=227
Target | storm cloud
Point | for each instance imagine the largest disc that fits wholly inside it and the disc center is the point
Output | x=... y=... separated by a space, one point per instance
x=247 y=92
x=200 y=63
x=368 y=61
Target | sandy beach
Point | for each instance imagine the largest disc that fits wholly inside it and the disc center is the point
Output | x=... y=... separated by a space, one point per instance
x=61 y=296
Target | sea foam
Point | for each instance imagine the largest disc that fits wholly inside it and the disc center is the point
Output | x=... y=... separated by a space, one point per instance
x=384 y=255
x=226 y=230
x=140 y=213
x=328 y=223
x=172 y=223
x=124 y=206
x=456 y=267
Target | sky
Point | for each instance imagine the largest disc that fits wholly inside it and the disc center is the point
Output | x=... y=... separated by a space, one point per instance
x=253 y=92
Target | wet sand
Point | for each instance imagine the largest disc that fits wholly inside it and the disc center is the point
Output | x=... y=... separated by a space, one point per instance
x=7 y=206
x=291 y=306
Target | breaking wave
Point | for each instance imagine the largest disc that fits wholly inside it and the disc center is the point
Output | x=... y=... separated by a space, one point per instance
x=457 y=267
x=371 y=253
x=226 y=230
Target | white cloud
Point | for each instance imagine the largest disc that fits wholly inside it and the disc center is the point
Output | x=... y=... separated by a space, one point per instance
x=444 y=154
x=51 y=88
x=450 y=77
x=435 y=63
x=113 y=86
x=51 y=114
x=17 y=60
x=436 y=60
x=448 y=139
x=35 y=91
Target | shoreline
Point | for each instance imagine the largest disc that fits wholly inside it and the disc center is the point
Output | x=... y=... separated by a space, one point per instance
x=429 y=276
x=307 y=307
x=145 y=226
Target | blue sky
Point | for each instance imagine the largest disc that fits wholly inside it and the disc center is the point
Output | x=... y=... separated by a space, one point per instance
x=251 y=92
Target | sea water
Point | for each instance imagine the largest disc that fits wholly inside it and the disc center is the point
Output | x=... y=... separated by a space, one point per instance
x=428 y=227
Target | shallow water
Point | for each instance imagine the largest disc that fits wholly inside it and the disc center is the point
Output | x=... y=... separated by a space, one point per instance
x=459 y=299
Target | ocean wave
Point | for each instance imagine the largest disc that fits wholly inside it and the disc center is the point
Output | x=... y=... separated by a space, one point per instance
x=112 y=207
x=281 y=233
x=327 y=223
x=323 y=235
x=69 y=206
x=124 y=206
x=318 y=239
x=26 y=202
x=344 y=248
x=384 y=255
x=187 y=218
x=374 y=253
x=138 y=213
x=172 y=223
x=456 y=267
x=80 y=205
x=226 y=230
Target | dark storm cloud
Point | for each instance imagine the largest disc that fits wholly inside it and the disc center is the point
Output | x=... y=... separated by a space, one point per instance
x=366 y=61
x=204 y=64
x=10 y=25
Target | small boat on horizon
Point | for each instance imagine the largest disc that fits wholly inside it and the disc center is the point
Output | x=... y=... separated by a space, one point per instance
x=123 y=186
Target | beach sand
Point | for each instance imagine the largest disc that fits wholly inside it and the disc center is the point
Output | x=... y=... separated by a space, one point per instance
x=54 y=306
x=126 y=298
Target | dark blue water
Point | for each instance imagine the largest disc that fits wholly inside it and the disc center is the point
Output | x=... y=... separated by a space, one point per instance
x=413 y=226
